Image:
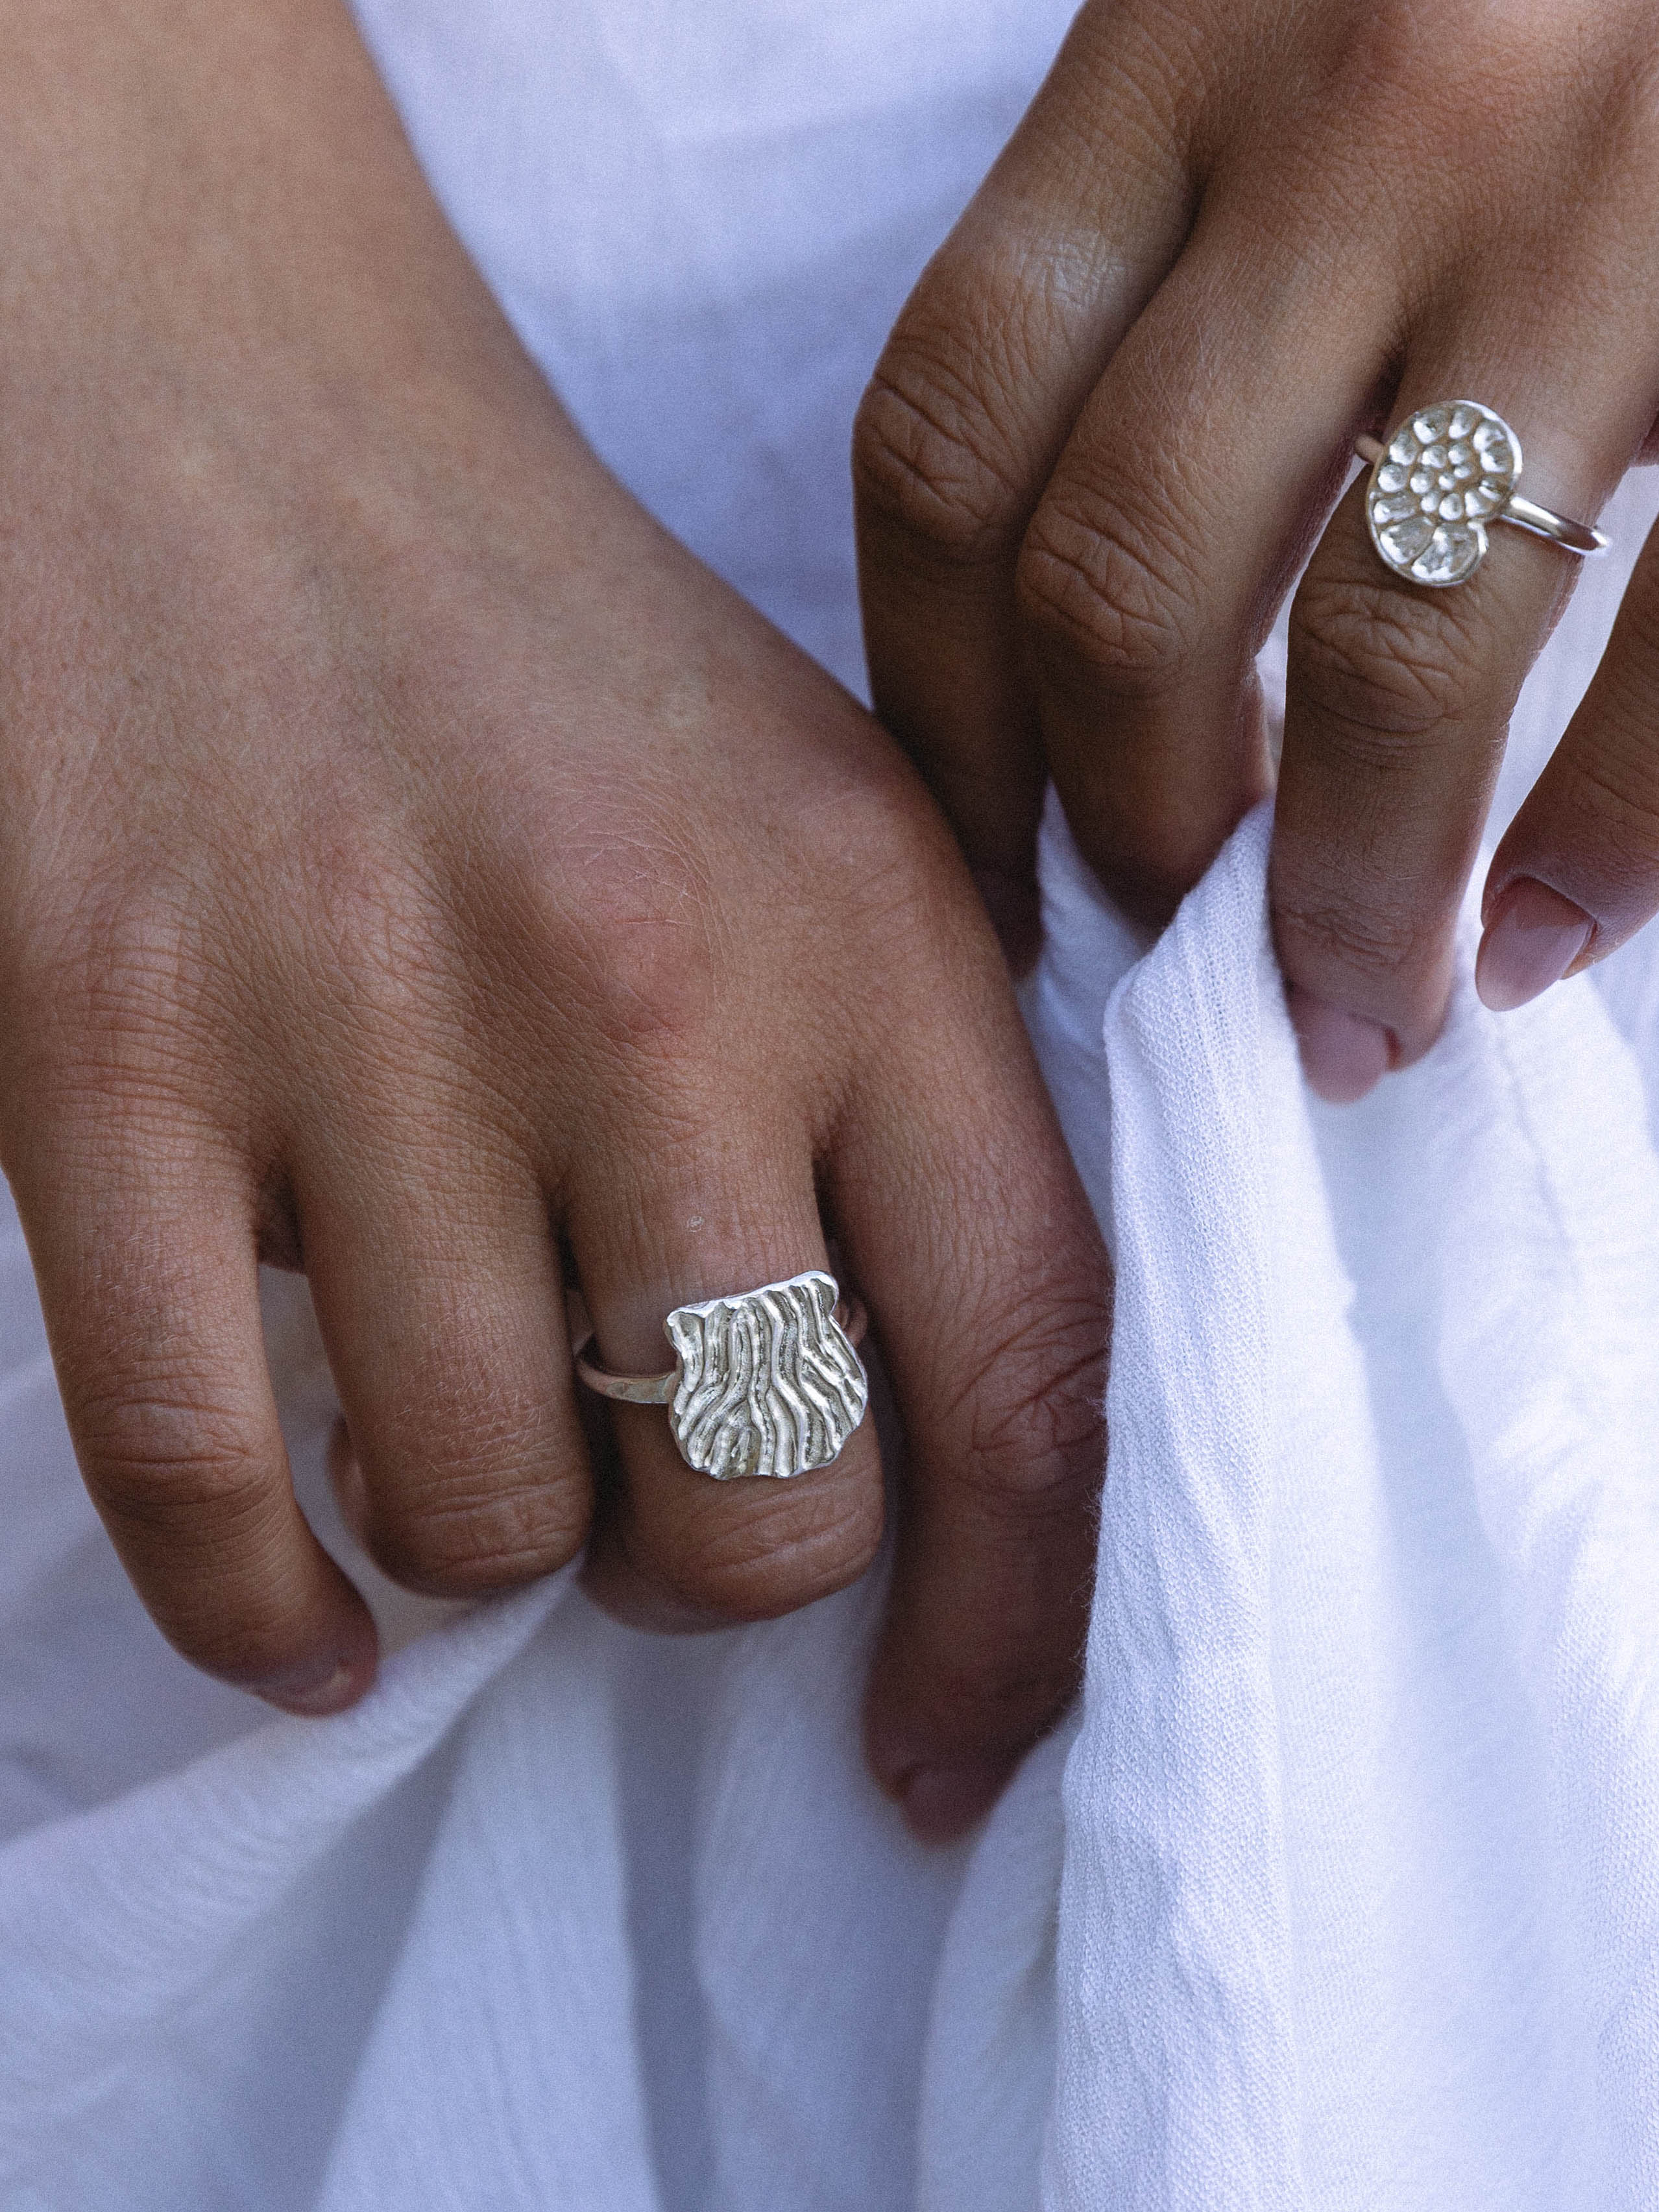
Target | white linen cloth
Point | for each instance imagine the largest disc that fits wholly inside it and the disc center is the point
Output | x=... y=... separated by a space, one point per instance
x=1339 y=1890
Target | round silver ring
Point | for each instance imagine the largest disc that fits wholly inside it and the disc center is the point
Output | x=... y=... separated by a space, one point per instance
x=764 y=1383
x=1446 y=472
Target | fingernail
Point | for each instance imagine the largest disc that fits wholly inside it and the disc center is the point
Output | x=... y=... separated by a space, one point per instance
x=940 y=1802
x=1343 y=1056
x=339 y=1688
x=1533 y=937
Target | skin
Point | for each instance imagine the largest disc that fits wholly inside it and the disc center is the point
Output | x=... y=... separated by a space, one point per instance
x=1116 y=418
x=414 y=866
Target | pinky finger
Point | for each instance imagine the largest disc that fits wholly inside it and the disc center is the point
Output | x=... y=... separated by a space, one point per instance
x=1577 y=871
x=149 y=1285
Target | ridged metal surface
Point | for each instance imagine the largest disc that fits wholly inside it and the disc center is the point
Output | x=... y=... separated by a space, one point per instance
x=770 y=1382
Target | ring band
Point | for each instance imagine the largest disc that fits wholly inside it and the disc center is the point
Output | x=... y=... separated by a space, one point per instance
x=1449 y=470
x=765 y=1382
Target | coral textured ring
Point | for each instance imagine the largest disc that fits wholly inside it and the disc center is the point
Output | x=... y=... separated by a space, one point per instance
x=768 y=1382
x=1447 y=472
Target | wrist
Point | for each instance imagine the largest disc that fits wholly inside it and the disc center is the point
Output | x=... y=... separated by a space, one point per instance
x=227 y=286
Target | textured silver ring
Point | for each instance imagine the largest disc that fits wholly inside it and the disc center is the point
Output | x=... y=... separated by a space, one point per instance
x=1449 y=470
x=765 y=1381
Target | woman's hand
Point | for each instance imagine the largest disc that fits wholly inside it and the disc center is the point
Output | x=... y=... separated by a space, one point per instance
x=413 y=864
x=1115 y=413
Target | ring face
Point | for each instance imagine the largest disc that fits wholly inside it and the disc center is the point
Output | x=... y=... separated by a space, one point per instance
x=1446 y=472
x=769 y=1380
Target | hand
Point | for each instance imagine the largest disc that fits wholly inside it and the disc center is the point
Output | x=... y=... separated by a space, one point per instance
x=413 y=863
x=1115 y=413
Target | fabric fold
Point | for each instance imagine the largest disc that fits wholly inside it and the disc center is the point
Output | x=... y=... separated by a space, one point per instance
x=124 y=1930
x=1359 y=1875
x=510 y=2011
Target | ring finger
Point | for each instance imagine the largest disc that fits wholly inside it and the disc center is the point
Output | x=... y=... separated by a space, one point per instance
x=671 y=1546
x=1398 y=702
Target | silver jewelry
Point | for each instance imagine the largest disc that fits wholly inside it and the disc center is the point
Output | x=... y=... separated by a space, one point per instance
x=766 y=1382
x=1447 y=472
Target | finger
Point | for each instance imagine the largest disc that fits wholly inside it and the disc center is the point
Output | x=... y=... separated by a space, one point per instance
x=439 y=1295
x=1190 y=488
x=971 y=404
x=679 y=1223
x=990 y=1289
x=1398 y=704
x=1577 y=871
x=144 y=1256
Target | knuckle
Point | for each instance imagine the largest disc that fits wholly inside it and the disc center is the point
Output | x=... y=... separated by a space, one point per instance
x=653 y=978
x=780 y=1553
x=1417 y=95
x=1383 y=671
x=928 y=456
x=1109 y=589
x=1037 y=1428
x=1377 y=56
x=123 y=1001
x=630 y=917
x=159 y=1449
x=458 y=1539
x=1330 y=931
x=886 y=861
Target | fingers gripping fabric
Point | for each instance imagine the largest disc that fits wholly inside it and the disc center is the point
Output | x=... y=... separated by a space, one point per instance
x=1346 y=1894
x=1364 y=1782
x=1364 y=1776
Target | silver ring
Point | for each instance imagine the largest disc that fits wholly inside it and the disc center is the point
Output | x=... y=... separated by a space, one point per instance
x=1449 y=470
x=765 y=1381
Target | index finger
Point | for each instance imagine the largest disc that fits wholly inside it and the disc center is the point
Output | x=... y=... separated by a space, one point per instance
x=970 y=404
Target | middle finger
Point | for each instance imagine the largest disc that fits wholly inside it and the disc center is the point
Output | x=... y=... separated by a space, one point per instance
x=1179 y=511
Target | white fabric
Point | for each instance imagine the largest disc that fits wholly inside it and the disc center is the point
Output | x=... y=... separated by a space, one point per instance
x=1339 y=1890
